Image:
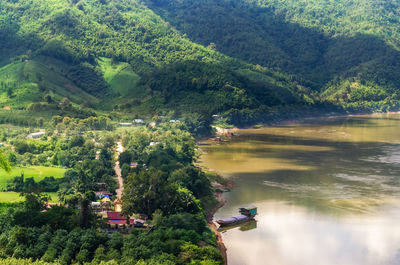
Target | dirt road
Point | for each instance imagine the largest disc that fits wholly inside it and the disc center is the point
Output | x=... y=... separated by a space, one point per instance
x=117 y=169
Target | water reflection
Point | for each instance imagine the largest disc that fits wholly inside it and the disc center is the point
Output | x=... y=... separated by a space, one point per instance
x=328 y=191
x=288 y=234
x=249 y=225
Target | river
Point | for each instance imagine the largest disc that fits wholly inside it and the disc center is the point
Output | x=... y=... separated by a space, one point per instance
x=327 y=191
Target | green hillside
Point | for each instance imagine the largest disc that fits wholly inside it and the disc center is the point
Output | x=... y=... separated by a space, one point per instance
x=320 y=44
x=26 y=82
x=244 y=59
x=150 y=65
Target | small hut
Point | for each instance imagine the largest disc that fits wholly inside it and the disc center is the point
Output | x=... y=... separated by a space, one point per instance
x=125 y=124
x=36 y=135
x=138 y=121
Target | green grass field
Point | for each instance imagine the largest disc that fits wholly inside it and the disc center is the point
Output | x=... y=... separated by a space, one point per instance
x=36 y=172
x=15 y=197
x=120 y=77
x=10 y=197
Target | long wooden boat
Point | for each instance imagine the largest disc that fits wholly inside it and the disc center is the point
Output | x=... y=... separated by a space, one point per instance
x=246 y=214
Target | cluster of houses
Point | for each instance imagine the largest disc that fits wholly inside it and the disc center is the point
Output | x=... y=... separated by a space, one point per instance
x=110 y=210
x=138 y=122
x=134 y=122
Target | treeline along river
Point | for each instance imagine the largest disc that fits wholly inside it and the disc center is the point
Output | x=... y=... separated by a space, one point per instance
x=327 y=191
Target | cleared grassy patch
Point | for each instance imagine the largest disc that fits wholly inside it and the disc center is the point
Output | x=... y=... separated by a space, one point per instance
x=120 y=77
x=10 y=197
x=13 y=197
x=36 y=172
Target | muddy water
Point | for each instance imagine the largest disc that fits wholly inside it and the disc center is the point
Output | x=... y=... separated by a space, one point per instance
x=327 y=191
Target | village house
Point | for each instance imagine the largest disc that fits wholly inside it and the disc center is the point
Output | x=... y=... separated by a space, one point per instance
x=125 y=124
x=154 y=143
x=36 y=135
x=138 y=121
x=116 y=221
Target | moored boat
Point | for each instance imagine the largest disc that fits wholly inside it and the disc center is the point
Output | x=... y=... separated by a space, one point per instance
x=246 y=214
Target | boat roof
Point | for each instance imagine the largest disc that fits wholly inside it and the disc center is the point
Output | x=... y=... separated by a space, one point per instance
x=249 y=207
x=234 y=219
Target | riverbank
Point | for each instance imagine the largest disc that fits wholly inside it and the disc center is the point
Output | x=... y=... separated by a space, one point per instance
x=317 y=117
x=330 y=115
x=210 y=217
x=231 y=132
x=218 y=194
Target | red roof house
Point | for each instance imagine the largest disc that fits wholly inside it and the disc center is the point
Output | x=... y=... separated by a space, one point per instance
x=115 y=218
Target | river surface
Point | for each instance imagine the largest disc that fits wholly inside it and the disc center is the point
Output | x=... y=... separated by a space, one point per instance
x=327 y=191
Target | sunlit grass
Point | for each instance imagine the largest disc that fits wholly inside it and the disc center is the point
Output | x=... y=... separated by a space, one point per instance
x=15 y=197
x=36 y=172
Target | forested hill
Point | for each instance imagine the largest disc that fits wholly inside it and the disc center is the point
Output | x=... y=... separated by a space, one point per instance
x=240 y=58
x=316 y=41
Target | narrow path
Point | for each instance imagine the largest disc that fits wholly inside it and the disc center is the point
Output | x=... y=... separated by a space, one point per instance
x=117 y=169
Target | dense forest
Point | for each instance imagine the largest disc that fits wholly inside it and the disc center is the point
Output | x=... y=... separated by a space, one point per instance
x=246 y=60
x=321 y=44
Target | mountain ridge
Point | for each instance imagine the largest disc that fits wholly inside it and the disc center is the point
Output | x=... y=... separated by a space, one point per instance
x=203 y=56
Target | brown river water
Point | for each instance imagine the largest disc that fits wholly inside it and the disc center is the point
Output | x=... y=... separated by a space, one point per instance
x=327 y=191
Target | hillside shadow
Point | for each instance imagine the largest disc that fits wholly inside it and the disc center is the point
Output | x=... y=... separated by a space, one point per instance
x=14 y=44
x=256 y=35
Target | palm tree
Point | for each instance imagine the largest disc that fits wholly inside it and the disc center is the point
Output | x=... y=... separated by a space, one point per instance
x=4 y=164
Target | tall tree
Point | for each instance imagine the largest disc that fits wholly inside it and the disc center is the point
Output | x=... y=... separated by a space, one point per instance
x=4 y=164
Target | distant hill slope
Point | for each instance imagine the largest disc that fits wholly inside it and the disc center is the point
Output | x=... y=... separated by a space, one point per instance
x=238 y=57
x=151 y=65
x=322 y=44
